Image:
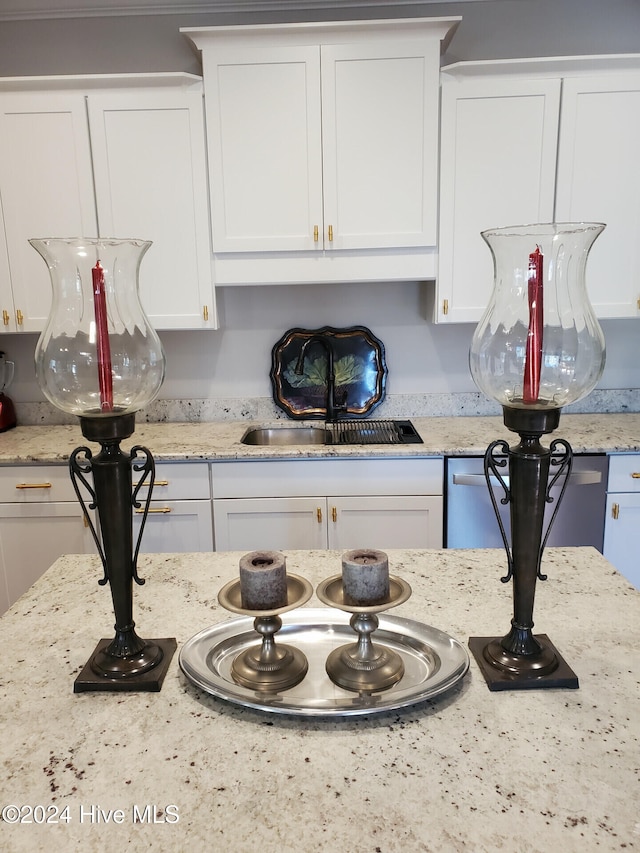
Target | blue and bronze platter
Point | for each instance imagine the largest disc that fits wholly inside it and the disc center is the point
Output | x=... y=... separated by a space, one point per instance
x=359 y=366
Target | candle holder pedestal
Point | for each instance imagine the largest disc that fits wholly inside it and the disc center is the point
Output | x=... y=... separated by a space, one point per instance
x=127 y=662
x=521 y=660
x=268 y=667
x=362 y=666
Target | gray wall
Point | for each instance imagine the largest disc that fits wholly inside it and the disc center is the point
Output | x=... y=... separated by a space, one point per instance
x=496 y=29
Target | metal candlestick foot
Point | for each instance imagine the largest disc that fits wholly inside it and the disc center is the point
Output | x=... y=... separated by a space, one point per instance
x=268 y=667
x=363 y=666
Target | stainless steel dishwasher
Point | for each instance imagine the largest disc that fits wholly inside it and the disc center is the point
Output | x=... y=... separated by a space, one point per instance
x=471 y=521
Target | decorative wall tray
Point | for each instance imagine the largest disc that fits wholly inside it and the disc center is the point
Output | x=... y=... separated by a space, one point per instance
x=359 y=367
x=433 y=661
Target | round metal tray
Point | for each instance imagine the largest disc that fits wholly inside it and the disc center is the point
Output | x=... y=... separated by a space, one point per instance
x=433 y=663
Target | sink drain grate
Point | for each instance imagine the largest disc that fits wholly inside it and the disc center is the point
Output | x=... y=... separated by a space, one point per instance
x=373 y=432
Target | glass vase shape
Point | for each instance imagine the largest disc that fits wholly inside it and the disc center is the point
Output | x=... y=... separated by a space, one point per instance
x=539 y=344
x=98 y=355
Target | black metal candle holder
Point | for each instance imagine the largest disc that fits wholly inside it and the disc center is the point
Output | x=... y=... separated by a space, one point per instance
x=521 y=659
x=126 y=662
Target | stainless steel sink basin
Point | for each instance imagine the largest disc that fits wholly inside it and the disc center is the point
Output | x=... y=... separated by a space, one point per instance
x=289 y=436
x=342 y=432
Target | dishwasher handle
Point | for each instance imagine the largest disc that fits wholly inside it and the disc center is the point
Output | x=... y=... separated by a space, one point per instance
x=576 y=478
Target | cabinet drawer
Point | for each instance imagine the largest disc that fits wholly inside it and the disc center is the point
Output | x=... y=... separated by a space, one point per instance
x=36 y=484
x=299 y=478
x=624 y=473
x=177 y=481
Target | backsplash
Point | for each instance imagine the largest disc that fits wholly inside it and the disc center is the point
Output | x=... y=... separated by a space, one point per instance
x=470 y=404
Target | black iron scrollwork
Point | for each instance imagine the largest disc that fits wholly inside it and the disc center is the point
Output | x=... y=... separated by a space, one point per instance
x=148 y=467
x=564 y=463
x=492 y=464
x=79 y=467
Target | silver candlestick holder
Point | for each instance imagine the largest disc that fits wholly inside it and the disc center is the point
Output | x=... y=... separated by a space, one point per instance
x=267 y=666
x=363 y=666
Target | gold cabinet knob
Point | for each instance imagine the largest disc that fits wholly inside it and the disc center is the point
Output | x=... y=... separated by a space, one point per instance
x=19 y=317
x=5 y=317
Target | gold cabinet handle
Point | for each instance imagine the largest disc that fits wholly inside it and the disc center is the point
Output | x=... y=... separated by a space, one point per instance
x=319 y=515
x=615 y=510
x=33 y=485
x=636 y=475
x=5 y=317
x=445 y=306
x=19 y=317
x=205 y=312
x=156 y=483
x=161 y=509
x=331 y=233
x=316 y=233
x=334 y=514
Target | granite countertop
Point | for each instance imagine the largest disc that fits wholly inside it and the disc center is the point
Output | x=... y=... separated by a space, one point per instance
x=446 y=436
x=469 y=770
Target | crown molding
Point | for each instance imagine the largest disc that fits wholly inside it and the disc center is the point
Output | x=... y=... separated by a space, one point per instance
x=20 y=10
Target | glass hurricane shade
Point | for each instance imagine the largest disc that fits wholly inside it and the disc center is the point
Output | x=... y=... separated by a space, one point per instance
x=98 y=355
x=539 y=344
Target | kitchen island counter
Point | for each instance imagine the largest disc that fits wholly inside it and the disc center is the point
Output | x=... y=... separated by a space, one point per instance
x=469 y=770
x=221 y=440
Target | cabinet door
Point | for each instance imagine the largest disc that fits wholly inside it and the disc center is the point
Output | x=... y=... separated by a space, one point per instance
x=599 y=180
x=621 y=535
x=380 y=144
x=265 y=159
x=46 y=187
x=385 y=522
x=175 y=527
x=150 y=177
x=255 y=524
x=498 y=159
x=24 y=557
x=7 y=309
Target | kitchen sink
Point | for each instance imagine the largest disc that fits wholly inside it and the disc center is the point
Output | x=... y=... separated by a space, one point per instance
x=342 y=432
x=290 y=435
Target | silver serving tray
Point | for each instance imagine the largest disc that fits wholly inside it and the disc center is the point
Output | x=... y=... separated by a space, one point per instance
x=433 y=662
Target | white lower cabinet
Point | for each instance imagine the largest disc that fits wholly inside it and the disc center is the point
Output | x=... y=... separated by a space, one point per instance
x=337 y=504
x=179 y=517
x=622 y=519
x=40 y=519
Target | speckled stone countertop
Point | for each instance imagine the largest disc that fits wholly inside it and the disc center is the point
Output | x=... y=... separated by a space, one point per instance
x=447 y=436
x=469 y=770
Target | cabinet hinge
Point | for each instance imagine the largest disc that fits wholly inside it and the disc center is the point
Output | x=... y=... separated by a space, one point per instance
x=615 y=510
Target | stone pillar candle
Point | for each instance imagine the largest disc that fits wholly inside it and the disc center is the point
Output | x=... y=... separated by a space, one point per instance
x=263 y=580
x=365 y=577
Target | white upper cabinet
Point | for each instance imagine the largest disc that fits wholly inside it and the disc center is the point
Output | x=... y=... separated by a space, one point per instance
x=150 y=177
x=121 y=158
x=599 y=180
x=498 y=162
x=535 y=141
x=46 y=190
x=265 y=155
x=323 y=149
